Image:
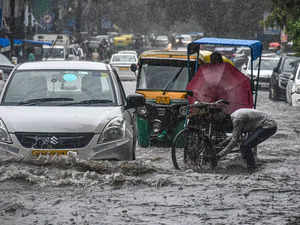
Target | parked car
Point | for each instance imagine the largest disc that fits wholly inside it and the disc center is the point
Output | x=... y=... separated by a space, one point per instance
x=161 y=41
x=293 y=86
x=6 y=66
x=122 y=62
x=280 y=77
x=266 y=69
x=185 y=38
x=240 y=56
x=56 y=107
x=228 y=52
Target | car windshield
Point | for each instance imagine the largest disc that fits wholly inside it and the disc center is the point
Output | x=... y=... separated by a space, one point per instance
x=4 y=59
x=58 y=87
x=287 y=66
x=124 y=58
x=156 y=75
x=53 y=53
x=266 y=64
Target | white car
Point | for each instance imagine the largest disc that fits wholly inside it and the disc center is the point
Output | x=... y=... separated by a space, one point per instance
x=55 y=107
x=293 y=87
x=122 y=62
x=267 y=66
x=128 y=52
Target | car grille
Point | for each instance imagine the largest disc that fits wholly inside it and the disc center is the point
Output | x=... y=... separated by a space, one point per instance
x=54 y=140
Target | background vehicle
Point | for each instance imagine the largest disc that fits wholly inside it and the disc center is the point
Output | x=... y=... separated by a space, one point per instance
x=122 y=63
x=228 y=52
x=59 y=50
x=293 y=86
x=280 y=77
x=267 y=66
x=161 y=41
x=240 y=56
x=53 y=107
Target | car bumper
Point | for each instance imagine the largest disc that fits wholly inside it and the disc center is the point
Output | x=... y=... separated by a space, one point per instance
x=296 y=99
x=116 y=150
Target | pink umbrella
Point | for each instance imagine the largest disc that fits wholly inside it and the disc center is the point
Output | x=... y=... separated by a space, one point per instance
x=221 y=81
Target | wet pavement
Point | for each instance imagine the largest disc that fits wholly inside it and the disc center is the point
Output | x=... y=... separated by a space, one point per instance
x=150 y=191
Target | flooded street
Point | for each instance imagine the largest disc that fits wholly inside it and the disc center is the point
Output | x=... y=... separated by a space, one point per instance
x=150 y=191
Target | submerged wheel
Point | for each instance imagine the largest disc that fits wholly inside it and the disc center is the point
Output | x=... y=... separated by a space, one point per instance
x=189 y=148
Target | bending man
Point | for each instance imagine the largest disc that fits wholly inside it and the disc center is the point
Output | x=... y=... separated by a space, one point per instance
x=260 y=127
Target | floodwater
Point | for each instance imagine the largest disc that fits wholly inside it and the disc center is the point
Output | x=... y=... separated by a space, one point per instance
x=150 y=191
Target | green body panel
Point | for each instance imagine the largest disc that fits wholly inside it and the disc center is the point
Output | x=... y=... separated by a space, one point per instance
x=143 y=131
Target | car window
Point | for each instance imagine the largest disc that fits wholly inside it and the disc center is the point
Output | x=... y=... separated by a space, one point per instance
x=266 y=64
x=124 y=58
x=157 y=76
x=77 y=85
x=287 y=66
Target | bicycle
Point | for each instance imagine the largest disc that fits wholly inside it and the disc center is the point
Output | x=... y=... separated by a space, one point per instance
x=205 y=134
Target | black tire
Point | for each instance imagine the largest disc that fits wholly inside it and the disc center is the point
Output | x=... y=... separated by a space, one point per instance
x=188 y=146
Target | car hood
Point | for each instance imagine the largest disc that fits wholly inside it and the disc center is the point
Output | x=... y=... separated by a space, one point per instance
x=57 y=119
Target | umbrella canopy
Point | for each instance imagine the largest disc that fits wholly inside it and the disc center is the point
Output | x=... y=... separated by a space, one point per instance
x=221 y=81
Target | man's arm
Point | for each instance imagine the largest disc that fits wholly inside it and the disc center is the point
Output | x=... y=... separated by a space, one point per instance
x=237 y=131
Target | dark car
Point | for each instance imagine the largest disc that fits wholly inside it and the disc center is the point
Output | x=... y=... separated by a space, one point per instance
x=280 y=77
x=6 y=66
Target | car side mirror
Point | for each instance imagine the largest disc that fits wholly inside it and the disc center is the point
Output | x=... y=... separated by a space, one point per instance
x=135 y=100
x=133 y=67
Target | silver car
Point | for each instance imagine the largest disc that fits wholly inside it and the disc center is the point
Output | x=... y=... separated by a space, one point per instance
x=54 y=107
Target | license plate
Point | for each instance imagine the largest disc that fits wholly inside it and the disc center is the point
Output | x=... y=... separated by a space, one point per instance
x=49 y=152
x=124 y=68
x=163 y=100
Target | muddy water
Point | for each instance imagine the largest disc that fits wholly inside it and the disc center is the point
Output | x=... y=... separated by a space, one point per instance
x=149 y=191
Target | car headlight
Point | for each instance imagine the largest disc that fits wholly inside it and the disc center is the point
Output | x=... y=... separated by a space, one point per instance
x=141 y=111
x=114 y=130
x=4 y=135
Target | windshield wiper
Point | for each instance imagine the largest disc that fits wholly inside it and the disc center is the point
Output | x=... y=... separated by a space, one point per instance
x=89 y=102
x=173 y=80
x=39 y=100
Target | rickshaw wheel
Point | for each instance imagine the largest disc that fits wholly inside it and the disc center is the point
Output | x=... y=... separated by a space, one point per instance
x=191 y=149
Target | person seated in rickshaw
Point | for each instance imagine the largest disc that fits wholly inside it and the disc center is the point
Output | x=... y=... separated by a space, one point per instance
x=216 y=58
x=259 y=126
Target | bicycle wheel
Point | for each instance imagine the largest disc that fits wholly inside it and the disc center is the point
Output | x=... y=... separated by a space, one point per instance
x=191 y=149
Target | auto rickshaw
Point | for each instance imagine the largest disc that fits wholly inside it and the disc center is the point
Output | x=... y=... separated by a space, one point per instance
x=162 y=78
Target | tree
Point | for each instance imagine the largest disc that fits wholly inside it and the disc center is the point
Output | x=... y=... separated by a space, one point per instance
x=286 y=13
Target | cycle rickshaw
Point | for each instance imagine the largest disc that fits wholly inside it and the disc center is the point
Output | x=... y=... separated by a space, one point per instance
x=205 y=132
